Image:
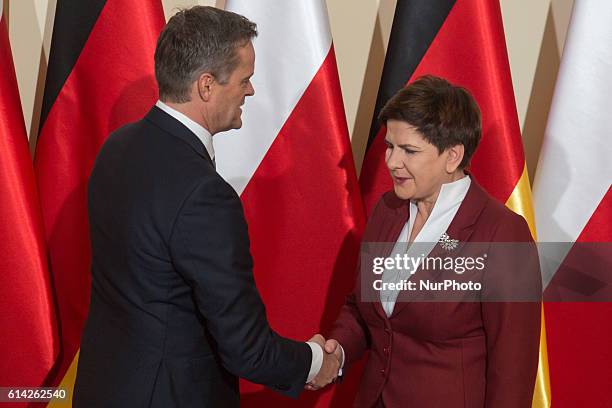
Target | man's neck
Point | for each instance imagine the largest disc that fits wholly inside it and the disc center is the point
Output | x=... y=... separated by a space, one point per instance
x=191 y=111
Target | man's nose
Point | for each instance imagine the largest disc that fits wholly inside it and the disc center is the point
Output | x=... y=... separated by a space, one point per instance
x=250 y=89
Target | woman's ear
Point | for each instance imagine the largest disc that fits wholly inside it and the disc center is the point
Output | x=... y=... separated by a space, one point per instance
x=454 y=157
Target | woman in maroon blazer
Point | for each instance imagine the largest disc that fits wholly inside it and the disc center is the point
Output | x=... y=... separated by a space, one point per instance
x=477 y=353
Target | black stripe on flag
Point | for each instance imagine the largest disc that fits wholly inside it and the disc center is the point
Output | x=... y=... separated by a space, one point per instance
x=74 y=21
x=415 y=25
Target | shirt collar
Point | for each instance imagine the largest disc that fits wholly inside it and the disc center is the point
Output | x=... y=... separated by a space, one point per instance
x=450 y=198
x=199 y=130
x=451 y=194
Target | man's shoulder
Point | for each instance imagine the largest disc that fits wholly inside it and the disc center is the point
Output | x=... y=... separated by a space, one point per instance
x=213 y=185
x=143 y=140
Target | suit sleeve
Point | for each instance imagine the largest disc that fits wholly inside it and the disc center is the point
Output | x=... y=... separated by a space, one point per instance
x=210 y=249
x=511 y=312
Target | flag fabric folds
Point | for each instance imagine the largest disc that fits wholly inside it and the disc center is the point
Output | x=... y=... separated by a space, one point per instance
x=573 y=204
x=28 y=335
x=100 y=76
x=292 y=165
x=462 y=41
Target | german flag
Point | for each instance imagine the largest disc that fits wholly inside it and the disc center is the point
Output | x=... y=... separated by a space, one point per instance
x=28 y=341
x=462 y=41
x=100 y=77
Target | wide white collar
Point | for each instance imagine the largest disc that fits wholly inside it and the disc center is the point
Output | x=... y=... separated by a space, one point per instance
x=444 y=210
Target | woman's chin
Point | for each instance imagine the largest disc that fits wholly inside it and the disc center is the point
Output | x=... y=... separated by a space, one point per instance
x=403 y=193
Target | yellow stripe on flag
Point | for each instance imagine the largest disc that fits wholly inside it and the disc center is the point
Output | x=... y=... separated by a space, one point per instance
x=520 y=202
x=541 y=393
x=67 y=384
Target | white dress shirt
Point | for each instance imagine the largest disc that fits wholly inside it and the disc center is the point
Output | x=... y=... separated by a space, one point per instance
x=206 y=138
x=445 y=208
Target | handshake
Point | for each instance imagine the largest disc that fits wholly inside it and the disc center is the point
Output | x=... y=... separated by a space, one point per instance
x=333 y=357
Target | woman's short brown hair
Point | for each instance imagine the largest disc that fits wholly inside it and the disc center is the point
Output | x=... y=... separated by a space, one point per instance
x=444 y=114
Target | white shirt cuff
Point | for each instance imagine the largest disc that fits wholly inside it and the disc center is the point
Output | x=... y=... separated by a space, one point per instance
x=317 y=360
x=341 y=361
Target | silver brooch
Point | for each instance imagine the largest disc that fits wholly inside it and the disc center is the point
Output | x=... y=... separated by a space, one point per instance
x=447 y=243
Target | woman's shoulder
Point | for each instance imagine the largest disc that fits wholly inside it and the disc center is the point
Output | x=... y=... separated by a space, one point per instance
x=506 y=225
x=389 y=202
x=388 y=212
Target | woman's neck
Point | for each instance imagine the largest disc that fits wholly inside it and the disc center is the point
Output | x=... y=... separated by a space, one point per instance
x=426 y=205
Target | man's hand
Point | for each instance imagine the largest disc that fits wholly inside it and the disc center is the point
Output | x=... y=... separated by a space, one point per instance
x=333 y=347
x=320 y=340
x=331 y=364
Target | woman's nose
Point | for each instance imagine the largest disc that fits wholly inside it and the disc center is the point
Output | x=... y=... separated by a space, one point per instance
x=394 y=159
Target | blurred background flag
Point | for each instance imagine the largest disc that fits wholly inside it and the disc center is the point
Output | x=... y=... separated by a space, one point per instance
x=292 y=165
x=100 y=77
x=28 y=337
x=573 y=203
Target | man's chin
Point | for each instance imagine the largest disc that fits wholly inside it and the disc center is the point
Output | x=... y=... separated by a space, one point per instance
x=233 y=126
x=237 y=124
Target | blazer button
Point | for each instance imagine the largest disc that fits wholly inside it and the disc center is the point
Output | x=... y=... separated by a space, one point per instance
x=386 y=350
x=387 y=330
x=382 y=372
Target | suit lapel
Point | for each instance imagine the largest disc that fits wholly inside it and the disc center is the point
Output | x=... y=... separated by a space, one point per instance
x=175 y=128
x=393 y=217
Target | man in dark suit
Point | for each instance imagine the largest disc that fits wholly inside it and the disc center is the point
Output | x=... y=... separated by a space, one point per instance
x=175 y=316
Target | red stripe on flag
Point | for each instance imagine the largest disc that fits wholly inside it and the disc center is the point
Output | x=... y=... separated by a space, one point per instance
x=305 y=221
x=470 y=51
x=375 y=178
x=579 y=333
x=599 y=226
x=27 y=321
x=111 y=84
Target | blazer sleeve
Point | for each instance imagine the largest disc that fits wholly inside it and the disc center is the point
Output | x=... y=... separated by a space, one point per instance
x=209 y=245
x=349 y=329
x=511 y=313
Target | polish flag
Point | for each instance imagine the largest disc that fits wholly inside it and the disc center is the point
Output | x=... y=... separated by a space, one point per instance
x=573 y=204
x=292 y=165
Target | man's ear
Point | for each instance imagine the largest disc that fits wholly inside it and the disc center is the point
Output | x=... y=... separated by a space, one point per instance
x=454 y=157
x=205 y=85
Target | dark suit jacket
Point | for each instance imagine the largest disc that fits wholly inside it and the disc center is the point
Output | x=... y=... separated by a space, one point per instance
x=447 y=354
x=175 y=315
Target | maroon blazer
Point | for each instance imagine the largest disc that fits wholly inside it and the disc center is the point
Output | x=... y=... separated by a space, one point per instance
x=446 y=354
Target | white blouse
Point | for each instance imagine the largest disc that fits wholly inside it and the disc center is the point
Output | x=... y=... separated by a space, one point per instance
x=449 y=200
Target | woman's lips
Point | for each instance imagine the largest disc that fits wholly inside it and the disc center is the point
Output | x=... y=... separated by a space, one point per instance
x=400 y=180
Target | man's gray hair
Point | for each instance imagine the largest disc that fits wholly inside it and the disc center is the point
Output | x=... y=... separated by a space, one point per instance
x=197 y=40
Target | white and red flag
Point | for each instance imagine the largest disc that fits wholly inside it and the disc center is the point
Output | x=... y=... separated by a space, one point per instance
x=28 y=340
x=573 y=204
x=292 y=165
